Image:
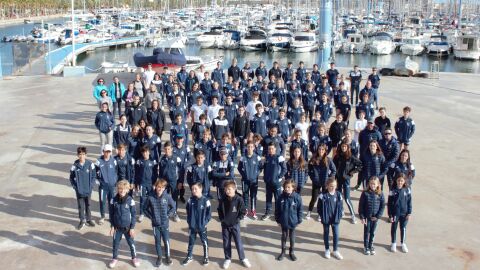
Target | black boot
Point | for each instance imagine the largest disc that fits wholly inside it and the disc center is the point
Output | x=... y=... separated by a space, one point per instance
x=292 y=255
x=282 y=254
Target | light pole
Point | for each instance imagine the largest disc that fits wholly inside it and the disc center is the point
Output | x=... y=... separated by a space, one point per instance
x=73 y=33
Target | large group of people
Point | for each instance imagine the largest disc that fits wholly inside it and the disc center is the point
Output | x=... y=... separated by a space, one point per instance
x=227 y=128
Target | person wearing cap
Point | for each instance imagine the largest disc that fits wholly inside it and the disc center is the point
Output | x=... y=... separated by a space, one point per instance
x=222 y=171
x=275 y=70
x=247 y=68
x=116 y=91
x=234 y=70
x=287 y=72
x=332 y=75
x=294 y=83
x=375 y=79
x=97 y=89
x=366 y=106
x=104 y=98
x=301 y=72
x=218 y=75
x=106 y=169
x=370 y=133
x=261 y=70
x=355 y=76
x=390 y=148
x=105 y=123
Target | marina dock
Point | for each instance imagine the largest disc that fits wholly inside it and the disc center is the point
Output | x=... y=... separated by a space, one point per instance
x=53 y=115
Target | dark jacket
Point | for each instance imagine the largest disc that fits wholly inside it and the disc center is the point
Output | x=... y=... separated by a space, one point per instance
x=235 y=72
x=398 y=168
x=169 y=168
x=157 y=120
x=391 y=150
x=276 y=168
x=136 y=113
x=146 y=172
x=154 y=144
x=367 y=108
x=219 y=172
x=288 y=210
x=373 y=165
x=241 y=126
x=207 y=147
x=104 y=122
x=330 y=207
x=122 y=212
x=371 y=205
x=126 y=168
x=382 y=124
x=366 y=136
x=326 y=110
x=159 y=208
x=258 y=124
x=200 y=174
x=337 y=131
x=319 y=173
x=250 y=168
x=346 y=168
x=297 y=174
x=231 y=210
x=121 y=135
x=106 y=171
x=399 y=202
x=404 y=128
x=198 y=213
x=82 y=178
x=277 y=140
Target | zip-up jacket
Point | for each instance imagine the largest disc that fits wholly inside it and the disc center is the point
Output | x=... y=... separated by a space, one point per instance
x=277 y=72
x=375 y=79
x=154 y=144
x=265 y=96
x=373 y=165
x=106 y=172
x=330 y=207
x=294 y=115
x=219 y=172
x=355 y=77
x=241 y=126
x=146 y=172
x=276 y=168
x=326 y=110
x=281 y=95
x=198 y=213
x=391 y=150
x=284 y=127
x=319 y=140
x=82 y=178
x=159 y=208
x=235 y=72
x=111 y=92
x=366 y=136
x=157 y=120
x=261 y=72
x=272 y=115
x=346 y=168
x=367 y=108
x=230 y=114
x=309 y=99
x=399 y=202
x=258 y=124
x=104 y=122
x=135 y=113
x=178 y=109
x=125 y=168
x=297 y=174
x=371 y=205
x=169 y=168
x=398 y=168
x=121 y=134
x=288 y=210
x=207 y=147
x=320 y=173
x=302 y=144
x=176 y=129
x=199 y=174
x=122 y=212
x=277 y=140
x=301 y=74
x=219 y=127
x=250 y=168
x=336 y=131
x=292 y=95
x=404 y=128
x=231 y=210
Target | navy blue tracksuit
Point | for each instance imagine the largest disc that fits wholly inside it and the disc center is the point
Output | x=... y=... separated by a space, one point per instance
x=122 y=218
x=230 y=212
x=289 y=214
x=277 y=169
x=404 y=128
x=330 y=210
x=371 y=205
x=107 y=176
x=82 y=178
x=200 y=174
x=198 y=216
x=399 y=207
x=219 y=175
x=168 y=169
x=249 y=169
x=126 y=168
x=146 y=173
x=158 y=209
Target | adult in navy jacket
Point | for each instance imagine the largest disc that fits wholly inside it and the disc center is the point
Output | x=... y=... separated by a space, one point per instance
x=390 y=148
x=105 y=123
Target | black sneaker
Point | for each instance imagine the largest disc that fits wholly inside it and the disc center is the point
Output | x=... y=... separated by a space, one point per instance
x=81 y=225
x=292 y=256
x=91 y=223
x=158 y=263
x=280 y=257
x=168 y=260
x=356 y=187
x=182 y=199
x=205 y=261
x=187 y=261
x=372 y=251
x=265 y=217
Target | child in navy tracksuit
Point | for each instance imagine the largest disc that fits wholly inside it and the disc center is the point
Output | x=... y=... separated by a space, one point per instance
x=230 y=211
x=122 y=220
x=106 y=167
x=222 y=170
x=146 y=171
x=158 y=208
x=125 y=165
x=82 y=178
x=330 y=211
x=370 y=210
x=249 y=167
x=405 y=128
x=206 y=145
x=297 y=169
x=199 y=173
x=258 y=124
x=168 y=168
x=275 y=165
x=399 y=211
x=288 y=214
x=178 y=128
x=198 y=216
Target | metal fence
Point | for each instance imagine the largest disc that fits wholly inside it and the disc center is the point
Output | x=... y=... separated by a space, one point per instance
x=28 y=58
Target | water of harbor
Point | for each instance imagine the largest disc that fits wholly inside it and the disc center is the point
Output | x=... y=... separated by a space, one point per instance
x=93 y=60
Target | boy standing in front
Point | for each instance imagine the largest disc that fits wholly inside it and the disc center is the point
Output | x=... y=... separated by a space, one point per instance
x=198 y=216
x=230 y=211
x=82 y=178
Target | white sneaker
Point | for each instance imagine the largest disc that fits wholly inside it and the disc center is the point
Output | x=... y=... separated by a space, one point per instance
x=226 y=264
x=327 y=254
x=319 y=219
x=112 y=263
x=404 y=248
x=140 y=218
x=246 y=263
x=176 y=218
x=393 y=247
x=308 y=216
x=337 y=255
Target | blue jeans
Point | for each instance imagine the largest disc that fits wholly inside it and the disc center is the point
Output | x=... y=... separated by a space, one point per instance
x=249 y=190
x=271 y=191
x=375 y=96
x=159 y=234
x=403 y=229
x=105 y=195
x=192 y=236
x=369 y=233
x=345 y=189
x=117 y=237
x=326 y=236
